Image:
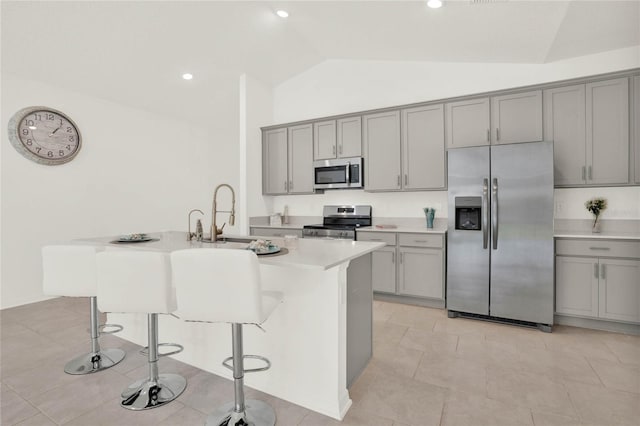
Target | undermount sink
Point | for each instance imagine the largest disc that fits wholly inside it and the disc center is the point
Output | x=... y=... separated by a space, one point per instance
x=222 y=240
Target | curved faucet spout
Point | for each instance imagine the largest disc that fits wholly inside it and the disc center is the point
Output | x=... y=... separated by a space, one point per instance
x=215 y=231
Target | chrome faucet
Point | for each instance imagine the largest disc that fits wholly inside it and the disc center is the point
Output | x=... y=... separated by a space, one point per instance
x=214 y=210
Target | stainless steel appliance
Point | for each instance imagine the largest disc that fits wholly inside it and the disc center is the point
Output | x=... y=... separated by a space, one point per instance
x=500 y=233
x=339 y=222
x=338 y=173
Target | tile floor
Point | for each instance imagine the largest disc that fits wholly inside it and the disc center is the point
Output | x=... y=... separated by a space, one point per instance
x=427 y=369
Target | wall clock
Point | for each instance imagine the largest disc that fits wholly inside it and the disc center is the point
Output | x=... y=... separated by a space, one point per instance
x=44 y=135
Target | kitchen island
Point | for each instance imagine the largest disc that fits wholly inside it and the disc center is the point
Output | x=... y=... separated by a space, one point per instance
x=318 y=340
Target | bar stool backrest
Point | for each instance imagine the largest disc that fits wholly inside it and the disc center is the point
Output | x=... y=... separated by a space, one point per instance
x=135 y=281
x=218 y=285
x=69 y=270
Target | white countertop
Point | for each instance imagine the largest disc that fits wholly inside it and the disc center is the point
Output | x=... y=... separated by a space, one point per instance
x=310 y=253
x=601 y=235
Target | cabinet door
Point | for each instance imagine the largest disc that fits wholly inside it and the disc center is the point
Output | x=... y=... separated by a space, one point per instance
x=516 y=118
x=301 y=159
x=274 y=166
x=383 y=270
x=564 y=124
x=468 y=123
x=350 y=137
x=577 y=286
x=608 y=131
x=420 y=272
x=324 y=140
x=620 y=289
x=636 y=124
x=382 y=151
x=423 y=147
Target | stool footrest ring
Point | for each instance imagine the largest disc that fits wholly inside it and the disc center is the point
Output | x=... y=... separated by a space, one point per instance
x=117 y=328
x=145 y=351
x=229 y=365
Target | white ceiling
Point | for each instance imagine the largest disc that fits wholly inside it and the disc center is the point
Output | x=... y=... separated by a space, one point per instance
x=135 y=52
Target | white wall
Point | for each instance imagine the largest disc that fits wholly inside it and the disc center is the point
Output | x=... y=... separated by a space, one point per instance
x=343 y=86
x=136 y=172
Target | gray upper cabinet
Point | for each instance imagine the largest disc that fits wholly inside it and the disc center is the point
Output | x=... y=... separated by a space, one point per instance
x=636 y=124
x=565 y=125
x=589 y=126
x=324 y=136
x=516 y=118
x=274 y=167
x=608 y=131
x=468 y=123
x=381 y=134
x=423 y=151
x=287 y=155
x=300 y=159
x=349 y=143
x=340 y=138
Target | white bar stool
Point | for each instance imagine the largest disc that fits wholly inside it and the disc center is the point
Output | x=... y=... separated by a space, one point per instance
x=70 y=270
x=140 y=282
x=223 y=285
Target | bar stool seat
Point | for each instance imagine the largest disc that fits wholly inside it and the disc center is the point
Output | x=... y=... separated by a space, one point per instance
x=223 y=285
x=133 y=281
x=70 y=270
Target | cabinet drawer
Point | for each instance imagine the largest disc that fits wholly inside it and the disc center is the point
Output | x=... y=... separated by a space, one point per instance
x=598 y=248
x=386 y=237
x=420 y=240
x=275 y=232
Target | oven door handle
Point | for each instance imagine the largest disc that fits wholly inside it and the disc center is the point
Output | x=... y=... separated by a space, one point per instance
x=348 y=174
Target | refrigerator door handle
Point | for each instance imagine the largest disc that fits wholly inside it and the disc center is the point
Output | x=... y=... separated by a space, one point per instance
x=485 y=213
x=494 y=213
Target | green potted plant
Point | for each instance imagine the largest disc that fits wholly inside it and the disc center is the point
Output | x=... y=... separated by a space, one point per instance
x=596 y=206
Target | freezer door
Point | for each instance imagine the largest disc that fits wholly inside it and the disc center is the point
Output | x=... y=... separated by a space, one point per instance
x=467 y=247
x=522 y=238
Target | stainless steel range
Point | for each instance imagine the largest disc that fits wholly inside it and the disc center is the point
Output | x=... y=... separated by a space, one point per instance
x=339 y=222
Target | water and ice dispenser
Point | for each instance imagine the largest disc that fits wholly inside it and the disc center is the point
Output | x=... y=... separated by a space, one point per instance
x=468 y=213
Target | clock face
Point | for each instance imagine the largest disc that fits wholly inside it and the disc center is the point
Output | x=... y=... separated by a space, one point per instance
x=44 y=135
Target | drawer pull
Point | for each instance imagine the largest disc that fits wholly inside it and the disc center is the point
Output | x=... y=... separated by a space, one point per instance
x=420 y=241
x=375 y=239
x=595 y=270
x=602 y=272
x=599 y=248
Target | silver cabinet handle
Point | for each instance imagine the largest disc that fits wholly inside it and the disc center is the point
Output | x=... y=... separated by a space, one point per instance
x=334 y=150
x=497 y=134
x=285 y=185
x=584 y=173
x=590 y=174
x=603 y=275
x=393 y=257
x=420 y=241
x=340 y=149
x=599 y=248
x=348 y=173
x=401 y=258
x=406 y=180
x=375 y=239
x=485 y=213
x=398 y=181
x=290 y=185
x=595 y=270
x=494 y=213
x=488 y=135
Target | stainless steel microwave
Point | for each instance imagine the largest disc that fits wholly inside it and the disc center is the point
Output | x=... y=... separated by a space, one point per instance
x=338 y=173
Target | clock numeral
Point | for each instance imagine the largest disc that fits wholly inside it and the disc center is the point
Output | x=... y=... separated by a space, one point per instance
x=69 y=130
x=71 y=138
x=50 y=154
x=30 y=123
x=49 y=116
x=29 y=142
x=61 y=153
x=25 y=131
x=38 y=149
x=37 y=117
x=69 y=147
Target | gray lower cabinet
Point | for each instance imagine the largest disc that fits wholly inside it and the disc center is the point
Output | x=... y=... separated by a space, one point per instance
x=274 y=232
x=411 y=265
x=598 y=279
x=381 y=134
x=589 y=125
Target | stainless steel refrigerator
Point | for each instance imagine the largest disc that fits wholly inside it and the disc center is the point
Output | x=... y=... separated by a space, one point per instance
x=500 y=232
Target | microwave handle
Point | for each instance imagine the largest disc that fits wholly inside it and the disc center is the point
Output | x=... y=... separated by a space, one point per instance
x=348 y=176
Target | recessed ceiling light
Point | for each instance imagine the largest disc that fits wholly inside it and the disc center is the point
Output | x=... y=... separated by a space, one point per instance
x=434 y=4
x=282 y=13
x=187 y=76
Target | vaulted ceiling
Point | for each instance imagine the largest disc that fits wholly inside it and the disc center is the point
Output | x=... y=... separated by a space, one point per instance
x=134 y=52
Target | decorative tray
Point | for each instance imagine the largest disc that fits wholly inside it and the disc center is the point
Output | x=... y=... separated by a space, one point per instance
x=263 y=247
x=133 y=238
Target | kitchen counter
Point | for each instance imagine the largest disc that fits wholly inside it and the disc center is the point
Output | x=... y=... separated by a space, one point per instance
x=601 y=235
x=312 y=362
x=612 y=229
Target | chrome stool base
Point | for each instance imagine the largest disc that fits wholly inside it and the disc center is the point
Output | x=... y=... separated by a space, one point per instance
x=145 y=394
x=256 y=413
x=94 y=362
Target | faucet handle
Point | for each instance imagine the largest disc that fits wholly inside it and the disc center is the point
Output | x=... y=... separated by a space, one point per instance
x=219 y=230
